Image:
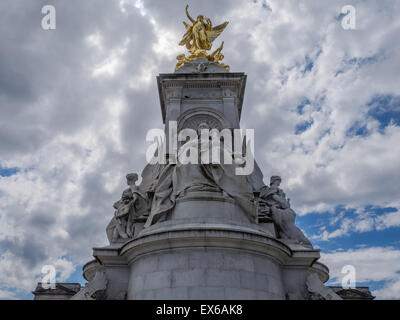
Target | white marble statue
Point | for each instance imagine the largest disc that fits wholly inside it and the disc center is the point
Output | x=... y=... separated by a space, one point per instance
x=175 y=180
x=93 y=287
x=318 y=291
x=132 y=204
x=273 y=201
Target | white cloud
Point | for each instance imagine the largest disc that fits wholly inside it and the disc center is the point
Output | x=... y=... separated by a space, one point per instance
x=390 y=291
x=7 y=295
x=362 y=221
x=391 y=219
x=75 y=136
x=371 y=264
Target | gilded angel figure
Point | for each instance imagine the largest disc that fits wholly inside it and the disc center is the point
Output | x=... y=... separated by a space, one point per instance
x=199 y=36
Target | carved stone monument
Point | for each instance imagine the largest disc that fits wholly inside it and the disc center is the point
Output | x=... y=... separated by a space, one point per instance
x=200 y=230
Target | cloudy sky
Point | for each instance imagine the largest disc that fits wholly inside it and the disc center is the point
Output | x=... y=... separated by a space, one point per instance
x=76 y=104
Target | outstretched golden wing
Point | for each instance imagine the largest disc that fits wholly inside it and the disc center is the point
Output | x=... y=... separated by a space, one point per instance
x=187 y=37
x=216 y=31
x=187 y=26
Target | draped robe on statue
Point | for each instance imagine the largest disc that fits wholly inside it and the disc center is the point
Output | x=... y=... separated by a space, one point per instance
x=176 y=179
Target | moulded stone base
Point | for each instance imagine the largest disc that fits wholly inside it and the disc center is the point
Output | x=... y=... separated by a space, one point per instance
x=206 y=249
x=206 y=263
x=208 y=210
x=205 y=273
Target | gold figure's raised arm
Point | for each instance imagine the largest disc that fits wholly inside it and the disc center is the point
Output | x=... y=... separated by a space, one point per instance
x=216 y=31
x=198 y=39
x=187 y=37
x=188 y=15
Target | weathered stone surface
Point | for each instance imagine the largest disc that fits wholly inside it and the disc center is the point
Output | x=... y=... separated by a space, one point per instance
x=201 y=231
x=201 y=65
x=62 y=291
x=196 y=264
x=317 y=288
x=357 y=293
x=95 y=288
x=200 y=241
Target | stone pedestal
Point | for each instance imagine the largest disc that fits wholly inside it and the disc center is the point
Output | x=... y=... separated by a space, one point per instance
x=190 y=97
x=206 y=249
x=206 y=246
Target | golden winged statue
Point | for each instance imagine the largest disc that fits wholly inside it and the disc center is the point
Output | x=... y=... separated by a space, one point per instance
x=199 y=38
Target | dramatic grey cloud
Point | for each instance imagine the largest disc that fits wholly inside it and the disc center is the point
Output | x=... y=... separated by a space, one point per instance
x=76 y=104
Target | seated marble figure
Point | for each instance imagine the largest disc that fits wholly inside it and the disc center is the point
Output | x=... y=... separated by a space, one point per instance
x=273 y=203
x=132 y=205
x=176 y=180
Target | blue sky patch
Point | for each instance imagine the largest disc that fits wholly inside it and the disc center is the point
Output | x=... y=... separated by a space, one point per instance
x=300 y=107
x=359 y=62
x=264 y=4
x=6 y=172
x=17 y=294
x=358 y=129
x=385 y=109
x=309 y=65
x=77 y=277
x=313 y=223
x=301 y=127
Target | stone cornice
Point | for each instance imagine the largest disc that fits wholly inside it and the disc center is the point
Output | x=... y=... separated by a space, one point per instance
x=173 y=83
